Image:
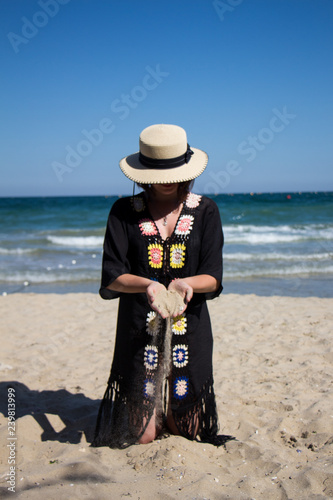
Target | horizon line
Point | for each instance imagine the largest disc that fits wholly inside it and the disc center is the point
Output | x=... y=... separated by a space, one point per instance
x=251 y=193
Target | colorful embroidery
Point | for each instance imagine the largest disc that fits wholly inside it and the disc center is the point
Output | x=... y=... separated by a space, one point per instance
x=147 y=227
x=180 y=355
x=177 y=255
x=184 y=225
x=138 y=203
x=153 y=323
x=179 y=324
x=151 y=357
x=149 y=387
x=193 y=200
x=180 y=387
x=155 y=255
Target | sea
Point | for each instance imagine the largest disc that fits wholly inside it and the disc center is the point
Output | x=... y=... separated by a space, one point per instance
x=275 y=244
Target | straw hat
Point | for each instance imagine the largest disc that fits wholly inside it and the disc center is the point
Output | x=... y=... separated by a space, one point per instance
x=164 y=157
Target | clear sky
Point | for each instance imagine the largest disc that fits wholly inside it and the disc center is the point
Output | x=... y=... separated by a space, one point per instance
x=249 y=80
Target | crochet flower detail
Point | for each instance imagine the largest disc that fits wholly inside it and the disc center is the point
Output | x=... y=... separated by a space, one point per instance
x=155 y=255
x=193 y=200
x=177 y=255
x=138 y=203
x=180 y=355
x=184 y=225
x=149 y=387
x=179 y=324
x=180 y=387
x=151 y=357
x=153 y=323
x=147 y=227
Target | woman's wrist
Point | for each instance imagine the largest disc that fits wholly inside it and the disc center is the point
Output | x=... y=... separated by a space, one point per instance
x=130 y=283
x=202 y=283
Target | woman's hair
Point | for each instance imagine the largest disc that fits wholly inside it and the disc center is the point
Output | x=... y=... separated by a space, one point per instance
x=183 y=189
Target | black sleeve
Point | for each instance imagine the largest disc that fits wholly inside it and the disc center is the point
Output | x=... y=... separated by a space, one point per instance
x=115 y=261
x=210 y=261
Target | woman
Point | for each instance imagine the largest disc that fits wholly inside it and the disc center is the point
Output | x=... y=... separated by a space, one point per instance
x=164 y=242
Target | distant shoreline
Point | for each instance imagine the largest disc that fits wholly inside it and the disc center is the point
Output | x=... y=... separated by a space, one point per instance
x=127 y=193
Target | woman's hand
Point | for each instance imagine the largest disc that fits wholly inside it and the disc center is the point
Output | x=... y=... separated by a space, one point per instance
x=151 y=291
x=184 y=289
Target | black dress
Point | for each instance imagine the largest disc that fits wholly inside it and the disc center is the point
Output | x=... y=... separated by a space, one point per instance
x=138 y=381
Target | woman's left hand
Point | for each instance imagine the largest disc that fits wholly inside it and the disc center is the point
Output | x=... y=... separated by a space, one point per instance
x=184 y=290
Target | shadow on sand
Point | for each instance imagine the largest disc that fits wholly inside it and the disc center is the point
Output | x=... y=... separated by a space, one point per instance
x=76 y=411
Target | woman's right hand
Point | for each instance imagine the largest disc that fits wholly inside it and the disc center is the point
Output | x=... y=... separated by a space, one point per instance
x=151 y=291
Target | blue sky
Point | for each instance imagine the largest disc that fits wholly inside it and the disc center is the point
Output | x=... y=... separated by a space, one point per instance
x=249 y=80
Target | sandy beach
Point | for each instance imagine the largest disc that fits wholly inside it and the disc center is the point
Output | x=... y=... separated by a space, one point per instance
x=273 y=369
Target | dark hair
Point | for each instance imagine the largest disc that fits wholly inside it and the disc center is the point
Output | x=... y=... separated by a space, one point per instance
x=183 y=188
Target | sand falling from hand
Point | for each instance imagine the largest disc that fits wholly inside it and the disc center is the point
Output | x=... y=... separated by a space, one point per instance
x=170 y=304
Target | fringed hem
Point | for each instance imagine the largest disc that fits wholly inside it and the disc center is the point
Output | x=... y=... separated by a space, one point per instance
x=117 y=426
x=121 y=423
x=200 y=422
x=107 y=417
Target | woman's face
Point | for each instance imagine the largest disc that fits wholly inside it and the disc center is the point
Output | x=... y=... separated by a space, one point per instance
x=165 y=190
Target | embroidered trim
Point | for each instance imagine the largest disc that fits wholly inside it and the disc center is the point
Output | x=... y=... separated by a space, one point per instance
x=153 y=323
x=177 y=255
x=147 y=227
x=155 y=255
x=151 y=357
x=180 y=387
x=184 y=225
x=179 y=325
x=149 y=388
x=180 y=355
x=193 y=200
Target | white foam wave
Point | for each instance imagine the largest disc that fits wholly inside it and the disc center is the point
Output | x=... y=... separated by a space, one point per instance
x=283 y=229
x=15 y=251
x=255 y=235
x=291 y=272
x=239 y=256
x=77 y=241
x=49 y=277
x=257 y=239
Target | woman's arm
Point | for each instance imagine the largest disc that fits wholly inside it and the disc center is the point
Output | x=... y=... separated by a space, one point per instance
x=130 y=283
x=202 y=283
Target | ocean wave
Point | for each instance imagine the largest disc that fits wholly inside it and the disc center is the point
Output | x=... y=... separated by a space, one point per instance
x=256 y=235
x=88 y=275
x=50 y=277
x=282 y=272
x=16 y=251
x=262 y=239
x=77 y=241
x=282 y=227
x=254 y=257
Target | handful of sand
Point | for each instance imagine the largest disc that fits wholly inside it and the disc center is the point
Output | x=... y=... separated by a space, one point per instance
x=169 y=303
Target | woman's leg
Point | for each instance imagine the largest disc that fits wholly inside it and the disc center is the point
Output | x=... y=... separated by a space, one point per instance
x=152 y=430
x=193 y=425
